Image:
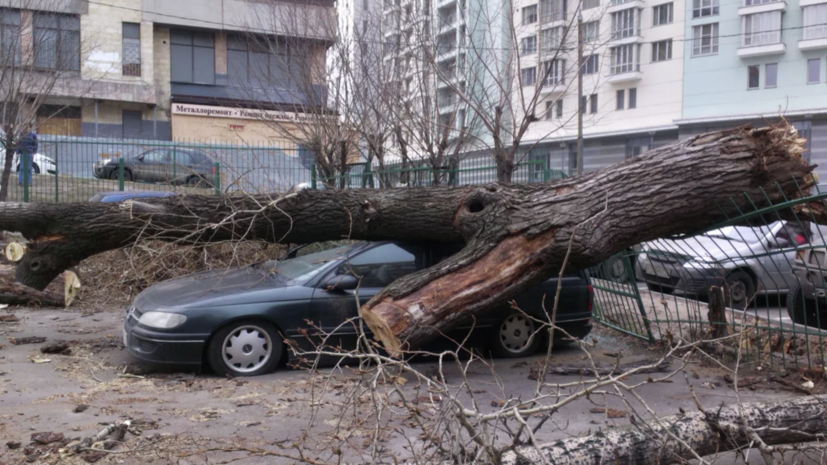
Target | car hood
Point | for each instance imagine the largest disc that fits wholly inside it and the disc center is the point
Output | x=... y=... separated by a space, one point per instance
x=220 y=287
x=704 y=246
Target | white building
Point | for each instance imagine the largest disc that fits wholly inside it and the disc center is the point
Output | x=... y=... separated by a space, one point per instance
x=632 y=82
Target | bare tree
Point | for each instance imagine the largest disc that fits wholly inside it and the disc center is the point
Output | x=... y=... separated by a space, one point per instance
x=34 y=67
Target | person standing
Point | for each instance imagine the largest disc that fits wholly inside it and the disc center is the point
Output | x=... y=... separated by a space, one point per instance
x=26 y=148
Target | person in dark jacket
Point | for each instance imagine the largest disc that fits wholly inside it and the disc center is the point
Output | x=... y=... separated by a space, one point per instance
x=26 y=148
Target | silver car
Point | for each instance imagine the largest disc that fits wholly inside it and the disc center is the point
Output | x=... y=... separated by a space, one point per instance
x=747 y=260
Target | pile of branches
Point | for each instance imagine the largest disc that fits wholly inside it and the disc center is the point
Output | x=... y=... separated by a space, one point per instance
x=121 y=274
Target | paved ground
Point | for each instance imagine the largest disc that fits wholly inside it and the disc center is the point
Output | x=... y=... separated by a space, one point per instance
x=182 y=415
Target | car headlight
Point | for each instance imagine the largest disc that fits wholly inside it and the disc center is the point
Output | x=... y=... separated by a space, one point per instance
x=162 y=320
x=49 y=160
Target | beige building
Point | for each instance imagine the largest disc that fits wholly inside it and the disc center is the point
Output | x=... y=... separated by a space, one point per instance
x=124 y=65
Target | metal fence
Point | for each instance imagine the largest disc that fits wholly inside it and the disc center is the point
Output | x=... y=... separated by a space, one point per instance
x=75 y=169
x=752 y=287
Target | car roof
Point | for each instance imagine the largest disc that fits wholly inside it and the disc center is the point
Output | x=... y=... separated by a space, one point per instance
x=118 y=196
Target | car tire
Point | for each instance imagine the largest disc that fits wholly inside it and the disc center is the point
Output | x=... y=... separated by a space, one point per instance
x=114 y=175
x=127 y=175
x=245 y=348
x=740 y=289
x=514 y=336
x=196 y=181
x=35 y=168
x=615 y=269
x=802 y=310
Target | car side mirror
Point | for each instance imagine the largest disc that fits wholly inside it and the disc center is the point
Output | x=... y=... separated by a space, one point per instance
x=343 y=282
x=140 y=158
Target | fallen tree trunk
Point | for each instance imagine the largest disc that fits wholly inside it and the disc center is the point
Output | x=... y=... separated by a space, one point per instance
x=59 y=293
x=516 y=235
x=796 y=420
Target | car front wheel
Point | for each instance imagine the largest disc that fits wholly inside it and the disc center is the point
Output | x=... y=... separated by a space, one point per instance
x=245 y=348
x=515 y=336
x=740 y=289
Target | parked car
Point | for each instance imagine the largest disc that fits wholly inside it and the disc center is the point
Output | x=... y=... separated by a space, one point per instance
x=161 y=165
x=120 y=196
x=237 y=319
x=807 y=299
x=748 y=260
x=41 y=164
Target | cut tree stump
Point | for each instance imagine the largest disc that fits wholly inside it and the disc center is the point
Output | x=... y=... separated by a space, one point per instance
x=59 y=293
x=797 y=420
x=515 y=235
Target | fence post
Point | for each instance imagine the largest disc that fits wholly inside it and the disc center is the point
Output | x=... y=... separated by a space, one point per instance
x=313 y=176
x=120 y=173
x=26 y=165
x=217 y=179
x=57 y=187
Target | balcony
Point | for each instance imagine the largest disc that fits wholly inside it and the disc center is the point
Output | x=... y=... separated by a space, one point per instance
x=619 y=5
x=618 y=40
x=761 y=44
x=755 y=6
x=447 y=23
x=628 y=76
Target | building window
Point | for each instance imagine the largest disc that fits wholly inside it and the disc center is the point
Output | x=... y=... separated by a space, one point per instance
x=261 y=63
x=814 y=71
x=591 y=64
x=593 y=104
x=662 y=50
x=701 y=8
x=662 y=14
x=626 y=23
x=591 y=31
x=529 y=76
x=770 y=75
x=9 y=36
x=705 y=40
x=762 y=28
x=552 y=10
x=56 y=41
x=528 y=45
x=554 y=72
x=192 y=57
x=815 y=21
x=637 y=146
x=58 y=120
x=583 y=101
x=551 y=39
x=620 y=97
x=753 y=76
x=590 y=4
x=757 y=2
x=131 y=49
x=549 y=110
x=632 y=98
x=530 y=14
x=559 y=107
x=625 y=59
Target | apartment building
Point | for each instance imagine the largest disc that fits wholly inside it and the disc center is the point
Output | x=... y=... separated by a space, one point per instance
x=750 y=61
x=229 y=70
x=632 y=78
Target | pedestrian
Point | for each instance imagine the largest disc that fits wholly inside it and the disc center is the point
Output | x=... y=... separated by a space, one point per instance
x=26 y=148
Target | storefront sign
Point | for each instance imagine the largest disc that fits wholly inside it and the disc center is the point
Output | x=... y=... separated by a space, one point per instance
x=237 y=113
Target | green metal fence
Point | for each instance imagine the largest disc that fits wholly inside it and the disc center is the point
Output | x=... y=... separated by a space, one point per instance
x=75 y=169
x=752 y=286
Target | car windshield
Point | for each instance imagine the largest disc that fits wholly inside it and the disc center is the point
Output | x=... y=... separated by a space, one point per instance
x=305 y=267
x=738 y=234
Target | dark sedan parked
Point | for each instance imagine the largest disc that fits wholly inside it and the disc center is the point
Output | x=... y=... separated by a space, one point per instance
x=163 y=164
x=237 y=319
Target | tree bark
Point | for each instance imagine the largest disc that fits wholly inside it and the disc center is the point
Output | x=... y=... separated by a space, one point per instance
x=516 y=235
x=783 y=422
x=14 y=293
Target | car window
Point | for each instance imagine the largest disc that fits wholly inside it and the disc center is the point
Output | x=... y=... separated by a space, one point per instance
x=182 y=158
x=305 y=267
x=155 y=156
x=380 y=266
x=794 y=233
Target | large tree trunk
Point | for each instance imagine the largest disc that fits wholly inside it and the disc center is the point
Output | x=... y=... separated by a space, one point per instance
x=784 y=422
x=516 y=235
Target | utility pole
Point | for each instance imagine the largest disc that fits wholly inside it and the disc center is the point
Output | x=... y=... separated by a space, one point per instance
x=580 y=106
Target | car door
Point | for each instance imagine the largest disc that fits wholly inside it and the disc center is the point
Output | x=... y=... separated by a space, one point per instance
x=781 y=247
x=148 y=166
x=375 y=268
x=176 y=166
